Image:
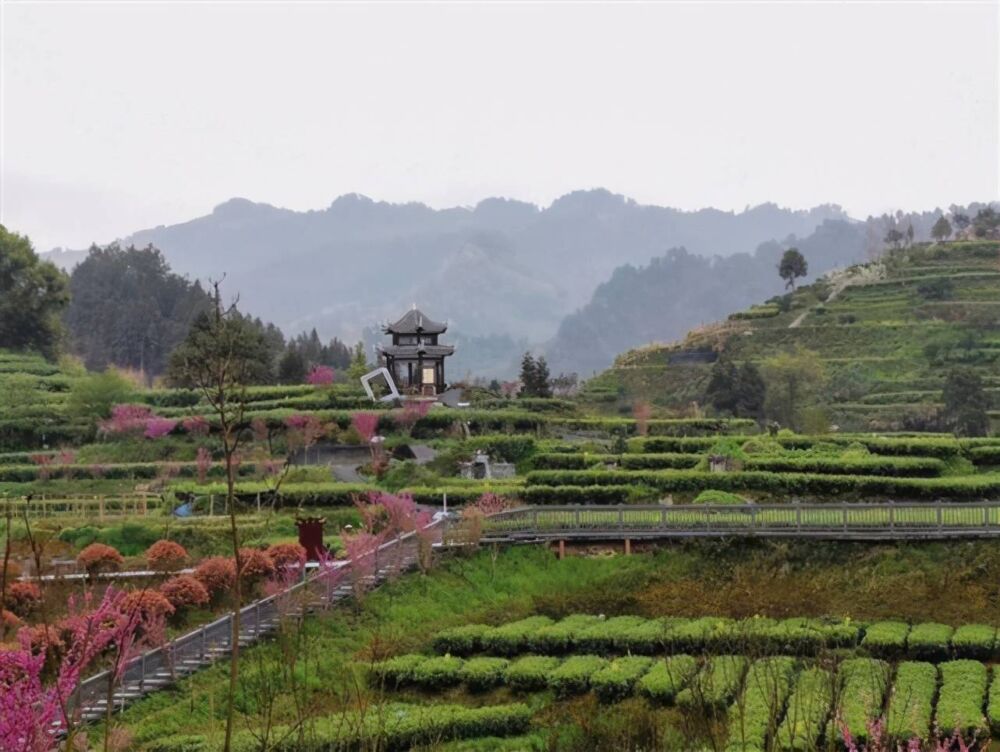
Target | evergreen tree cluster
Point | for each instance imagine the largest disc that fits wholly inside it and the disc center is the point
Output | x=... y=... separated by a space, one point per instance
x=736 y=390
x=306 y=351
x=535 y=378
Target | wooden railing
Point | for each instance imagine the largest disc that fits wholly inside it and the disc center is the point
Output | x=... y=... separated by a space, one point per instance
x=892 y=521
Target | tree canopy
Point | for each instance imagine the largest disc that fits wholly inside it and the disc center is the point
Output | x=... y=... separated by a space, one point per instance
x=794 y=380
x=535 y=377
x=128 y=309
x=942 y=229
x=793 y=265
x=33 y=294
x=965 y=404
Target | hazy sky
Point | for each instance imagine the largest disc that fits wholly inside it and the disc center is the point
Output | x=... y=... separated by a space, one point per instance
x=118 y=116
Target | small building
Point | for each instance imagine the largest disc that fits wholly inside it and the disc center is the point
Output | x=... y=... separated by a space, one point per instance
x=416 y=358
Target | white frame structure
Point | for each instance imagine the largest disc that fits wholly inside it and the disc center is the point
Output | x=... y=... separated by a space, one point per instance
x=366 y=383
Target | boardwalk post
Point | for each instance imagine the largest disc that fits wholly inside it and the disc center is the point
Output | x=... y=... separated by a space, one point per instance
x=798 y=518
x=628 y=546
x=621 y=518
x=986 y=518
x=892 y=517
x=562 y=548
x=845 y=518
x=938 y=511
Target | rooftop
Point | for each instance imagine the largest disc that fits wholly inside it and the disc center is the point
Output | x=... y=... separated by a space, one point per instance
x=415 y=322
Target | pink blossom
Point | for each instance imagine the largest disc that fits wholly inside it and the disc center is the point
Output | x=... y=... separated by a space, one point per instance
x=320 y=376
x=157 y=428
x=203 y=463
x=196 y=425
x=366 y=424
x=412 y=411
x=126 y=419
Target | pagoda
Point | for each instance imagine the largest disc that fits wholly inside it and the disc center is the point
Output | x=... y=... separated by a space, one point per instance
x=416 y=358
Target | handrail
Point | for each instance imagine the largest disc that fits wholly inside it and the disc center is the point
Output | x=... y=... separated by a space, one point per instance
x=846 y=520
x=92 y=692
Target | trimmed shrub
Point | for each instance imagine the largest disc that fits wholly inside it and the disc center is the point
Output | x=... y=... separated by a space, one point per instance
x=960 y=702
x=715 y=686
x=573 y=675
x=464 y=640
x=563 y=636
x=216 y=573
x=615 y=681
x=166 y=556
x=711 y=496
x=483 y=672
x=147 y=603
x=438 y=672
x=695 y=635
x=863 y=684
x=396 y=672
x=911 y=702
x=98 y=557
x=886 y=639
x=530 y=672
x=514 y=637
x=974 y=641
x=604 y=635
x=287 y=555
x=255 y=565
x=23 y=597
x=929 y=641
x=667 y=677
x=184 y=591
x=765 y=691
x=808 y=708
x=993 y=703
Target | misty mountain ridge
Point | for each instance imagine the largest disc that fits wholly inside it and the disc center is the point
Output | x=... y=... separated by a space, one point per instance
x=503 y=268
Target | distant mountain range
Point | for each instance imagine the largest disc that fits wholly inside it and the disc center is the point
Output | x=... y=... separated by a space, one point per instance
x=505 y=273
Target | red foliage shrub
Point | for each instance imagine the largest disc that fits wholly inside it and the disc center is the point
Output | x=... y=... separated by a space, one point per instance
x=147 y=603
x=287 y=555
x=216 y=573
x=166 y=556
x=366 y=424
x=255 y=565
x=320 y=376
x=157 y=428
x=9 y=620
x=184 y=591
x=47 y=639
x=196 y=425
x=98 y=557
x=23 y=597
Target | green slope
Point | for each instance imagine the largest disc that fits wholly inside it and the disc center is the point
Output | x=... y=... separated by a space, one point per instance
x=887 y=332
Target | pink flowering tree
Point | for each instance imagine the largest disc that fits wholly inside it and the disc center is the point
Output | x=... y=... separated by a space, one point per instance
x=366 y=424
x=320 y=375
x=196 y=425
x=203 y=463
x=879 y=741
x=406 y=417
x=157 y=428
x=44 y=462
x=642 y=411
x=35 y=712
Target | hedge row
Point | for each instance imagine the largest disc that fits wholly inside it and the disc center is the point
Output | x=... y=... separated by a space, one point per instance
x=561 y=495
x=394 y=727
x=903 y=467
x=912 y=702
x=115 y=471
x=715 y=686
x=942 y=447
x=863 y=684
x=618 y=678
x=808 y=709
x=765 y=691
x=693 y=481
x=960 y=702
x=667 y=678
x=793 y=636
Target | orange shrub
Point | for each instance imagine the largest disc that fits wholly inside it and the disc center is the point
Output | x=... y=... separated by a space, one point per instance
x=10 y=620
x=166 y=556
x=287 y=555
x=256 y=565
x=98 y=557
x=184 y=591
x=216 y=573
x=23 y=597
x=147 y=603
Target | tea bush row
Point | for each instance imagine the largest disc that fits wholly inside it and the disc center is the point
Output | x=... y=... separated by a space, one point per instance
x=911 y=704
x=766 y=689
x=965 y=488
x=795 y=636
x=960 y=701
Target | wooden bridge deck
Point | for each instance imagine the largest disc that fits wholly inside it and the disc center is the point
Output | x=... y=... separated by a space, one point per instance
x=882 y=521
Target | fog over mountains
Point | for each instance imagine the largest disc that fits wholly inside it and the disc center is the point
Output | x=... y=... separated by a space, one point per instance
x=506 y=274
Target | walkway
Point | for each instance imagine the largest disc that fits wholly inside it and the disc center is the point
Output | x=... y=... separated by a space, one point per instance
x=883 y=521
x=163 y=666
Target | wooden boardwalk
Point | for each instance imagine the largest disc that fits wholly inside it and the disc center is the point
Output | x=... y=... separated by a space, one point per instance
x=861 y=522
x=163 y=666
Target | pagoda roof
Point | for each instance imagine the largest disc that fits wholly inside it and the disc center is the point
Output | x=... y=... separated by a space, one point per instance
x=415 y=322
x=416 y=351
